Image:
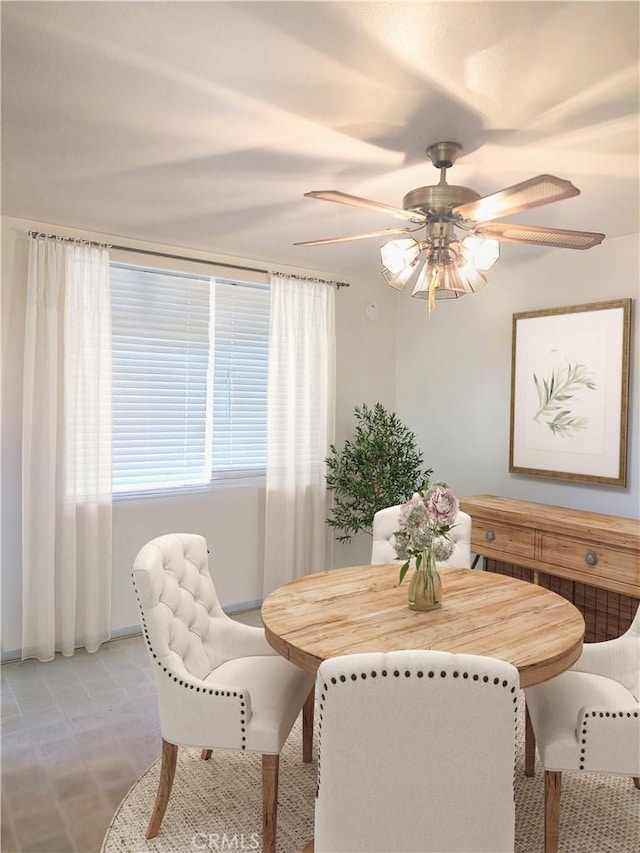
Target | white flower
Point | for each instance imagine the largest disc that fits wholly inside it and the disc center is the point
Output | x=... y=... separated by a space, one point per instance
x=442 y=548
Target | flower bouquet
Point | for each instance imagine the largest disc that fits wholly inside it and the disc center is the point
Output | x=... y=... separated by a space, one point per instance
x=425 y=522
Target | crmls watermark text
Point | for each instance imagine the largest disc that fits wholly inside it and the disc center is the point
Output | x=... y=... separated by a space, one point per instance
x=222 y=841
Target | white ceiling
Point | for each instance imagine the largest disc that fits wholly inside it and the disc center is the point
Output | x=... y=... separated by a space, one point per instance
x=201 y=124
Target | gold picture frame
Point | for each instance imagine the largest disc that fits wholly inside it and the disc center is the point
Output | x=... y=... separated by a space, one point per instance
x=570 y=392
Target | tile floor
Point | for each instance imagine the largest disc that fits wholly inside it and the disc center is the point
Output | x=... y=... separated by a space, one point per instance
x=76 y=734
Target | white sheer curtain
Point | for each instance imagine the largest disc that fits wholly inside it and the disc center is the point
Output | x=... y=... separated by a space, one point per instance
x=66 y=433
x=300 y=428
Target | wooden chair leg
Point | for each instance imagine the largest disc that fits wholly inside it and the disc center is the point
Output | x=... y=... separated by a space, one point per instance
x=270 y=767
x=205 y=755
x=636 y=781
x=167 y=772
x=552 y=790
x=307 y=727
x=529 y=746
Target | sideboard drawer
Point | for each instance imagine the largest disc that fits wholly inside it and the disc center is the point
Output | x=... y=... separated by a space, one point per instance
x=501 y=538
x=591 y=559
x=588 y=557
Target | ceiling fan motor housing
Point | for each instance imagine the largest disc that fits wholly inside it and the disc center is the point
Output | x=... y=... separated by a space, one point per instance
x=438 y=199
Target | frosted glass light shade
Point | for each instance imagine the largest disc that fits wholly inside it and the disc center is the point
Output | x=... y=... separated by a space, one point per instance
x=448 y=283
x=399 y=280
x=452 y=281
x=421 y=289
x=472 y=280
x=396 y=255
x=480 y=252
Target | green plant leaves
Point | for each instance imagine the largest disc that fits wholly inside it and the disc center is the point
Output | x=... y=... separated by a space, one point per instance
x=381 y=466
x=404 y=568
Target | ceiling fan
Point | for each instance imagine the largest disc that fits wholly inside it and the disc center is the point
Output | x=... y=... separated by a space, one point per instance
x=456 y=263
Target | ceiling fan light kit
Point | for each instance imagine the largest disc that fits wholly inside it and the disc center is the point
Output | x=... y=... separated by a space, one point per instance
x=396 y=255
x=447 y=265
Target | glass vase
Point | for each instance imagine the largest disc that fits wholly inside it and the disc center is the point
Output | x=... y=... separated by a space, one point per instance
x=425 y=589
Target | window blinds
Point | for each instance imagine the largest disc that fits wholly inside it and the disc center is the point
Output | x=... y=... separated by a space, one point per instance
x=190 y=358
x=241 y=361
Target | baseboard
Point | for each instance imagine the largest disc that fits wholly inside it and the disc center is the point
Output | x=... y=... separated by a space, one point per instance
x=14 y=655
x=242 y=606
x=123 y=633
x=11 y=656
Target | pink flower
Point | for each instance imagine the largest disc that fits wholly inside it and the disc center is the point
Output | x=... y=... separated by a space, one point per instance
x=442 y=506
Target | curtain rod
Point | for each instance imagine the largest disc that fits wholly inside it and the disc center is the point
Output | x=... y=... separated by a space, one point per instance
x=336 y=284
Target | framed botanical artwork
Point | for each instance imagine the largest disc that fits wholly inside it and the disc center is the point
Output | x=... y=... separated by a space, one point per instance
x=570 y=392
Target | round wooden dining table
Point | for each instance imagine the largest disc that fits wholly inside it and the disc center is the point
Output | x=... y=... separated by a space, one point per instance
x=364 y=609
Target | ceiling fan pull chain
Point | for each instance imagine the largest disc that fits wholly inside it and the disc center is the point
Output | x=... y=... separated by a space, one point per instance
x=432 y=289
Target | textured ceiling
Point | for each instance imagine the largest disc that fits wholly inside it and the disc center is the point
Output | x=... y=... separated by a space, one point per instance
x=201 y=124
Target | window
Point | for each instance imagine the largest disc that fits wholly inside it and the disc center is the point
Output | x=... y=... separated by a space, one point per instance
x=241 y=333
x=190 y=359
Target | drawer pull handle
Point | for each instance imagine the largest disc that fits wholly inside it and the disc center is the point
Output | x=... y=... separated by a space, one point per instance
x=591 y=558
x=490 y=535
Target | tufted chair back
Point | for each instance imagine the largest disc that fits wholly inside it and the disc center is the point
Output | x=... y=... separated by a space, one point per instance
x=220 y=684
x=386 y=522
x=183 y=621
x=618 y=659
x=416 y=752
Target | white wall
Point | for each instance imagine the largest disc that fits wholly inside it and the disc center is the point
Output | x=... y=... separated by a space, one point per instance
x=231 y=518
x=454 y=370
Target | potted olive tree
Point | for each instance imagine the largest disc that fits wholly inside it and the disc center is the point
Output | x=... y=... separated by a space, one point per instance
x=381 y=466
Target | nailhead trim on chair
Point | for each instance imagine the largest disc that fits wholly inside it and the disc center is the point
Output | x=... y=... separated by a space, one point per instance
x=420 y=674
x=612 y=714
x=584 y=742
x=186 y=684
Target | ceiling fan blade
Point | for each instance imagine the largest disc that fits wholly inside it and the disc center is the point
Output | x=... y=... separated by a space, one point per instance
x=355 y=237
x=511 y=232
x=357 y=201
x=542 y=189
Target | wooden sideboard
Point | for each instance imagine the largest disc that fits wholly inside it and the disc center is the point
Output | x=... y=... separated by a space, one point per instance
x=589 y=558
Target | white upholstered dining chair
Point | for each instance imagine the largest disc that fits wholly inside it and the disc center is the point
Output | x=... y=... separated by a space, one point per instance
x=416 y=752
x=386 y=523
x=587 y=719
x=220 y=685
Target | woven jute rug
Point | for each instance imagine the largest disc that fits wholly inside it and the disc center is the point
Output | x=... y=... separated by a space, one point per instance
x=216 y=805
